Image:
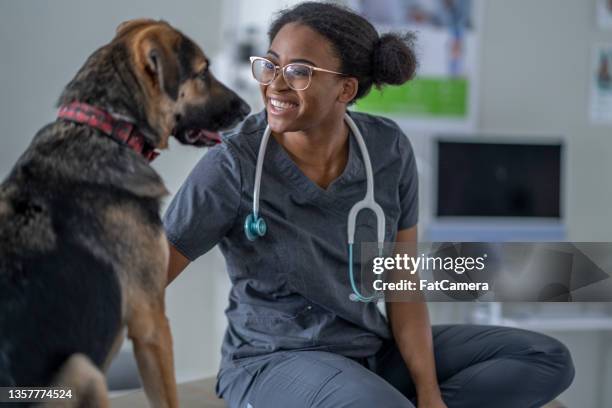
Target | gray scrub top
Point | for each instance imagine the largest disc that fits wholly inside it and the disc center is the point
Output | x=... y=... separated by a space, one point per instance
x=290 y=289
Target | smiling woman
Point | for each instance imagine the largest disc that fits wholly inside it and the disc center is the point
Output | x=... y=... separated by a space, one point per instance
x=294 y=337
x=341 y=66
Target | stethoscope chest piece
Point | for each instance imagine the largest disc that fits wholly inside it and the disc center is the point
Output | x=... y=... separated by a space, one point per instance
x=254 y=227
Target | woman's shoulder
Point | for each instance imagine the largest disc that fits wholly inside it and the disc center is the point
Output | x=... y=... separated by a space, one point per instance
x=382 y=134
x=375 y=121
x=248 y=133
x=241 y=143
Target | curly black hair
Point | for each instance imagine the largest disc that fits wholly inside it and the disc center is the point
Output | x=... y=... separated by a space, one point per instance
x=372 y=59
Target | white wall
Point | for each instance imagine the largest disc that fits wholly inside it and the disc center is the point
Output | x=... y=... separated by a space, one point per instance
x=536 y=65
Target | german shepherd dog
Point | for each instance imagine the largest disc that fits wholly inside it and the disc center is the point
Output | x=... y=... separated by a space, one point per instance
x=83 y=255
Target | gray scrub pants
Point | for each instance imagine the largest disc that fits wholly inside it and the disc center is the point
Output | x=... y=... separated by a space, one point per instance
x=477 y=366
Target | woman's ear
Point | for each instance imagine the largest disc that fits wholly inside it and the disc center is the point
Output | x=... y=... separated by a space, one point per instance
x=350 y=85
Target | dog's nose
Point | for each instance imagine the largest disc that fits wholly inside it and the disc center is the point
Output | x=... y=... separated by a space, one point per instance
x=242 y=107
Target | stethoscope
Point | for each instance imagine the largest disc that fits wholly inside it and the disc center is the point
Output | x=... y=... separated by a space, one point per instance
x=255 y=226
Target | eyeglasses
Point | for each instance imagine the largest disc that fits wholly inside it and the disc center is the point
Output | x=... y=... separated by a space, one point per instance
x=297 y=76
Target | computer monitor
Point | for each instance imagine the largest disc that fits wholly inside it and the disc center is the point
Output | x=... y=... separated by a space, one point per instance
x=483 y=178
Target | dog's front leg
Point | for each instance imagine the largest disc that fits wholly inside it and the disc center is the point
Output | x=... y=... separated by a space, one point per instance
x=149 y=330
x=86 y=381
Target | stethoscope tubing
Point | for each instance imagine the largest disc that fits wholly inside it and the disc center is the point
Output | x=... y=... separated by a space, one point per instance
x=368 y=202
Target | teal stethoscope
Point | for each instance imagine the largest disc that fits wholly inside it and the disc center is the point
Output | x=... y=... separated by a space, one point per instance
x=255 y=226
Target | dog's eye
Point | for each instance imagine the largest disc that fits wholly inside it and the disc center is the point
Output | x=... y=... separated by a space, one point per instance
x=203 y=73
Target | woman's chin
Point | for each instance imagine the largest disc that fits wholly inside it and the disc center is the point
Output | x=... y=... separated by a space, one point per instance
x=281 y=125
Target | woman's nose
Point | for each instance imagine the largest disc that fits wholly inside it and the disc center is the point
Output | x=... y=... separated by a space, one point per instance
x=279 y=82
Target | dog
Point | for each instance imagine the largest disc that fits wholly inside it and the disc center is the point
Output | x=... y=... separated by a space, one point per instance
x=83 y=255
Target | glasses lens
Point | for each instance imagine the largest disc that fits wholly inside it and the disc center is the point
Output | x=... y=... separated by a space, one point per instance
x=263 y=71
x=298 y=76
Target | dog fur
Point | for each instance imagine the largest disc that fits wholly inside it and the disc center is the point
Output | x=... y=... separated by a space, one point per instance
x=83 y=255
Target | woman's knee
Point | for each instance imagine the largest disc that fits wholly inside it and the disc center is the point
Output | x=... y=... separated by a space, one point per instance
x=554 y=358
x=362 y=394
x=559 y=357
x=527 y=366
x=357 y=387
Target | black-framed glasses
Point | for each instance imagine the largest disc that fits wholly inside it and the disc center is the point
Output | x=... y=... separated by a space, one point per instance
x=297 y=76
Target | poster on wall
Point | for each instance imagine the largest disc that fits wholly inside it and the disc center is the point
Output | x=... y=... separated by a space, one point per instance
x=601 y=85
x=443 y=94
x=604 y=14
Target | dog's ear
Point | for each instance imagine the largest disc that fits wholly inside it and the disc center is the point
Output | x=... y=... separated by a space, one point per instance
x=161 y=63
x=154 y=44
x=130 y=24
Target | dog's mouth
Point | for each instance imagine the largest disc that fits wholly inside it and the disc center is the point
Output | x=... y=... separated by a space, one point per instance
x=197 y=137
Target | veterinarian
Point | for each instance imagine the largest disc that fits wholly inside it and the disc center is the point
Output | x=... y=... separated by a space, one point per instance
x=295 y=338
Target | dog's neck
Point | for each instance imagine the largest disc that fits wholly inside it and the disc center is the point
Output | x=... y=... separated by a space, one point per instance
x=117 y=127
x=107 y=81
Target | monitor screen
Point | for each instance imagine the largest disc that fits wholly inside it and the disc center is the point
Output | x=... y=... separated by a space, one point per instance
x=477 y=179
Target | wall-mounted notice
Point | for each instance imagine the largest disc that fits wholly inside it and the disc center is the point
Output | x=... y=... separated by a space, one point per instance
x=601 y=85
x=442 y=96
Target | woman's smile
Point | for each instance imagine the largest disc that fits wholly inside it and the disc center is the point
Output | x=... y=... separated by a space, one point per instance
x=280 y=107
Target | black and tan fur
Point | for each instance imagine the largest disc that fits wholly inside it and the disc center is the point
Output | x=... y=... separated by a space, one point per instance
x=83 y=255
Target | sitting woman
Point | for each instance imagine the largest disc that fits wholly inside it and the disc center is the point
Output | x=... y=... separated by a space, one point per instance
x=295 y=337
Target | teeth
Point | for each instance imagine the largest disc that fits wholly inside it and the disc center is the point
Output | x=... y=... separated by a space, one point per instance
x=282 y=105
x=193 y=135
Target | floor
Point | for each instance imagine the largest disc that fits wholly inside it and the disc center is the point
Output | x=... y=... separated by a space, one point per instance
x=193 y=394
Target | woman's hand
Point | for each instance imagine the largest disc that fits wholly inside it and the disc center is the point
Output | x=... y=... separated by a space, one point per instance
x=430 y=401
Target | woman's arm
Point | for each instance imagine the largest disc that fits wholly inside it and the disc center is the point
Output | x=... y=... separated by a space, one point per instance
x=203 y=209
x=412 y=333
x=176 y=264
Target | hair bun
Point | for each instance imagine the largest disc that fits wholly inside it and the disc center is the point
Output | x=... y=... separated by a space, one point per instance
x=394 y=61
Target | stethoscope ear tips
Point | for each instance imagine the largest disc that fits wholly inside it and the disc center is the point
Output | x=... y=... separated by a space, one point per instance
x=254 y=227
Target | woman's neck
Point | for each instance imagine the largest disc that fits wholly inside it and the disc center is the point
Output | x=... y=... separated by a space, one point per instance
x=320 y=152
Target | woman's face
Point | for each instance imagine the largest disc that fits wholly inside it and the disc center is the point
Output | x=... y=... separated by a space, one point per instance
x=322 y=100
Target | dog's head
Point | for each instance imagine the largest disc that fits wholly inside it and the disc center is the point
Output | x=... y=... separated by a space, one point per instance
x=183 y=97
x=156 y=75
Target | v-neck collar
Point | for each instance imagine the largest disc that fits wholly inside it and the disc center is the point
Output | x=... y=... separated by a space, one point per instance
x=303 y=184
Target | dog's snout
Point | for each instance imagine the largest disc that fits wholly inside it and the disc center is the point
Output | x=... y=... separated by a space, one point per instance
x=241 y=107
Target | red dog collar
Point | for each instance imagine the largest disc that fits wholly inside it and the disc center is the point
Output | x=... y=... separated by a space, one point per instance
x=119 y=130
